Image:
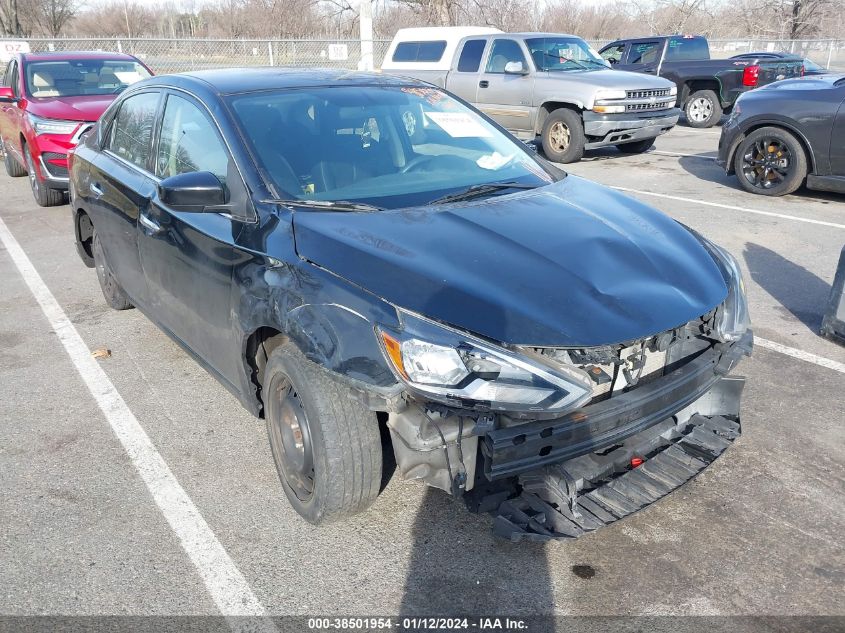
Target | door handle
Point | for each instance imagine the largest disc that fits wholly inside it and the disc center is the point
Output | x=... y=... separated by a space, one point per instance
x=483 y=83
x=151 y=225
x=95 y=189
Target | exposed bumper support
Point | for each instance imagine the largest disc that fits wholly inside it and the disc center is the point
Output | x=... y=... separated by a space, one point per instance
x=613 y=129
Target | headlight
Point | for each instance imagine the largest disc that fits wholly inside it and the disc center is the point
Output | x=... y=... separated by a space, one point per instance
x=601 y=95
x=673 y=90
x=53 y=126
x=607 y=109
x=732 y=318
x=460 y=370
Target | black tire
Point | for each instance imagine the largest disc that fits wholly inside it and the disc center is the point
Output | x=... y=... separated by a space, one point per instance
x=637 y=147
x=44 y=196
x=325 y=443
x=112 y=292
x=703 y=109
x=563 y=137
x=770 y=161
x=13 y=167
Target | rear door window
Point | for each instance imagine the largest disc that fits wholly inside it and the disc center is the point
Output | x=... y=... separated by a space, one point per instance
x=644 y=53
x=419 y=51
x=687 y=48
x=470 y=59
x=132 y=129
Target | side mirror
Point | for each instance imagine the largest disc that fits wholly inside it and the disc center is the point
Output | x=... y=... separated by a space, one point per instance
x=194 y=191
x=515 y=68
x=612 y=61
x=7 y=95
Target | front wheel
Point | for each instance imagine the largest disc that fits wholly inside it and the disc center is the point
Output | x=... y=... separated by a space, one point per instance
x=703 y=109
x=563 y=136
x=13 y=167
x=770 y=161
x=637 y=147
x=325 y=443
x=114 y=295
x=44 y=196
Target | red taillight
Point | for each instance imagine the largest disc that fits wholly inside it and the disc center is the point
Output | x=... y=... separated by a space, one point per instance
x=803 y=70
x=636 y=462
x=751 y=75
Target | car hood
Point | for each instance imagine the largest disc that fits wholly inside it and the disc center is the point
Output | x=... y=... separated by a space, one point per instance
x=608 y=78
x=571 y=264
x=85 y=108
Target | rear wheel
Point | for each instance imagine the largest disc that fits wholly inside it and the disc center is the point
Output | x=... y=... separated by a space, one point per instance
x=112 y=292
x=770 y=161
x=637 y=147
x=325 y=443
x=44 y=196
x=563 y=136
x=703 y=109
x=13 y=167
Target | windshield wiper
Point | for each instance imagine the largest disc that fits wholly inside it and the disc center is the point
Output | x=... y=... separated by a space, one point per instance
x=326 y=205
x=476 y=191
x=575 y=61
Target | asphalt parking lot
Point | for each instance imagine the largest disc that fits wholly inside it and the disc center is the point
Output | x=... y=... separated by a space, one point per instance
x=759 y=532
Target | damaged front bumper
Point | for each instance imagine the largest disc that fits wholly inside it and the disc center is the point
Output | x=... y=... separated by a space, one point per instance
x=562 y=477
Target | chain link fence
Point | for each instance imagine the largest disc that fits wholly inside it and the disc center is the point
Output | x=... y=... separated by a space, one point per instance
x=169 y=55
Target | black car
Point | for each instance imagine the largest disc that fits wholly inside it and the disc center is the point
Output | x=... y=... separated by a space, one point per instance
x=810 y=67
x=707 y=87
x=791 y=131
x=524 y=336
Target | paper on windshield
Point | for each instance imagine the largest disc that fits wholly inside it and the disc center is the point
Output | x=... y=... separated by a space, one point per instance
x=459 y=124
x=494 y=161
x=128 y=77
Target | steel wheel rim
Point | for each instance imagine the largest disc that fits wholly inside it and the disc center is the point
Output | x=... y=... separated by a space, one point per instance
x=766 y=163
x=559 y=136
x=292 y=436
x=700 y=110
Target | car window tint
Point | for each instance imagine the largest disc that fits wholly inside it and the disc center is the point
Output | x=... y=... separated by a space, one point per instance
x=189 y=142
x=644 y=53
x=503 y=52
x=419 y=51
x=131 y=130
x=687 y=48
x=470 y=58
x=613 y=54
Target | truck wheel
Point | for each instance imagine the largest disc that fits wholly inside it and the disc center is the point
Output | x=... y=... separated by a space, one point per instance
x=563 y=136
x=703 y=109
x=637 y=147
x=44 y=196
x=112 y=292
x=13 y=167
x=770 y=161
x=325 y=443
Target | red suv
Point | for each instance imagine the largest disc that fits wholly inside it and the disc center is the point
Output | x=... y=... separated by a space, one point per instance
x=48 y=100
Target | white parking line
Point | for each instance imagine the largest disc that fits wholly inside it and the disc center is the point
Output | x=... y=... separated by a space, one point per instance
x=821 y=361
x=730 y=207
x=225 y=583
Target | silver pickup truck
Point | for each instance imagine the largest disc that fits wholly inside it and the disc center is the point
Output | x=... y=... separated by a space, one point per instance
x=540 y=84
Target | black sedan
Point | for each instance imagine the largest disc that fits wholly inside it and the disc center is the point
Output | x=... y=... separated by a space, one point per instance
x=787 y=133
x=344 y=273
x=810 y=67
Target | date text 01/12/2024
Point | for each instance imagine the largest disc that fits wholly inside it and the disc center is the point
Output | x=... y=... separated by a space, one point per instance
x=416 y=624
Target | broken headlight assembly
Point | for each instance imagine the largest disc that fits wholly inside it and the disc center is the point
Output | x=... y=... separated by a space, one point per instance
x=454 y=368
x=732 y=318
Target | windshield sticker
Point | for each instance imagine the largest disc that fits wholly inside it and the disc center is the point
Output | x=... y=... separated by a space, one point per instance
x=127 y=77
x=494 y=161
x=459 y=124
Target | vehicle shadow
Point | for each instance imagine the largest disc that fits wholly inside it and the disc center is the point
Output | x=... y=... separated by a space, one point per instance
x=799 y=291
x=458 y=568
x=704 y=167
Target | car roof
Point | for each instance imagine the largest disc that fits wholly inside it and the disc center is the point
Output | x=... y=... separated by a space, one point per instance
x=540 y=34
x=237 y=80
x=57 y=56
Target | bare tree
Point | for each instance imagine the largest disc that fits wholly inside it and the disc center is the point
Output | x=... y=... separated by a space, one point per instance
x=53 y=15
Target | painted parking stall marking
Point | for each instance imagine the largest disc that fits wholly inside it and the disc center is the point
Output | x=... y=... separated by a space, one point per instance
x=800 y=354
x=731 y=207
x=225 y=583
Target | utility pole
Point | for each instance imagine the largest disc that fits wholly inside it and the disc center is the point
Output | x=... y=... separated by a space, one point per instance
x=365 y=24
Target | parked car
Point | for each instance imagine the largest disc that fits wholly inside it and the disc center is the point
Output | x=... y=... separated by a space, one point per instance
x=810 y=67
x=338 y=271
x=539 y=84
x=48 y=100
x=706 y=87
x=788 y=133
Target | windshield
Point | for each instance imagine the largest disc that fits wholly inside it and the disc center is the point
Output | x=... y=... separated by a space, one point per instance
x=389 y=147
x=563 y=53
x=80 y=77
